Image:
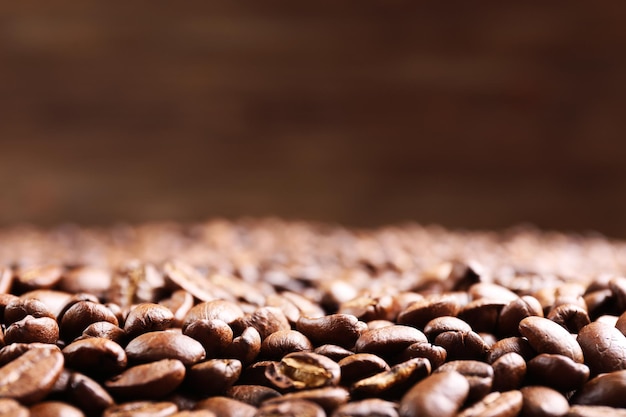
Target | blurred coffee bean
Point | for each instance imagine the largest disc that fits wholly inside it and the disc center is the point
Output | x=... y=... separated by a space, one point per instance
x=595 y=411
x=509 y=371
x=226 y=407
x=55 y=409
x=329 y=398
x=36 y=277
x=293 y=408
x=543 y=402
x=606 y=389
x=254 y=395
x=266 y=320
x=368 y=308
x=491 y=291
x=89 y=279
x=19 y=308
x=338 y=329
x=439 y=395
x=496 y=404
x=373 y=407
x=141 y=409
x=184 y=276
x=12 y=408
x=13 y=351
x=421 y=312
x=148 y=381
x=179 y=303
x=558 y=372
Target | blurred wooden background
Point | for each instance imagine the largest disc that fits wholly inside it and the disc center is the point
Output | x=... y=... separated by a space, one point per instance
x=469 y=115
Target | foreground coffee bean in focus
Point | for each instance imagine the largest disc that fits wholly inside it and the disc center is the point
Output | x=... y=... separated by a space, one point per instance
x=141 y=409
x=439 y=395
x=545 y=336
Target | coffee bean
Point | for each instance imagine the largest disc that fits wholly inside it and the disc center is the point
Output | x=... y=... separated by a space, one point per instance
x=368 y=308
x=599 y=303
x=89 y=279
x=338 y=329
x=254 y=395
x=304 y=370
x=11 y=408
x=266 y=320
x=196 y=413
x=329 y=398
x=604 y=348
x=214 y=376
x=95 y=356
x=282 y=342
x=595 y=411
x=436 y=355
x=13 y=351
x=147 y=317
x=482 y=314
x=392 y=381
x=514 y=312
x=558 y=372
x=31 y=376
x=214 y=335
x=617 y=285
x=491 y=291
x=141 y=409
x=478 y=374
x=153 y=346
x=32 y=329
x=334 y=352
x=245 y=347
x=365 y=408
x=306 y=307
x=226 y=407
x=225 y=311
x=515 y=344
x=543 y=402
x=439 y=395
x=545 y=336
x=54 y=409
x=19 y=308
x=445 y=324
x=186 y=277
x=37 y=277
x=496 y=404
x=509 y=371
x=462 y=346
x=421 y=312
x=6 y=280
x=179 y=303
x=388 y=341
x=293 y=408
x=606 y=389
x=571 y=316
x=359 y=366
x=148 y=381
x=82 y=314
x=87 y=394
x=106 y=330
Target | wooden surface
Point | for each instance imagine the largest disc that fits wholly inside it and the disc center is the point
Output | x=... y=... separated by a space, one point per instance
x=478 y=116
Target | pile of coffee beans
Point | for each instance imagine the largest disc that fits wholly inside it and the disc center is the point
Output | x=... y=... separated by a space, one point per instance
x=270 y=318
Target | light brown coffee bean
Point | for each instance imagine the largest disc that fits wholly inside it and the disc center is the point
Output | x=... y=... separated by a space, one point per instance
x=491 y=291
x=359 y=366
x=304 y=370
x=55 y=409
x=195 y=413
x=153 y=346
x=213 y=377
x=496 y=404
x=184 y=276
x=365 y=408
x=606 y=389
x=338 y=329
x=393 y=381
x=11 y=408
x=179 y=303
x=509 y=371
x=545 y=336
x=293 y=408
x=19 y=308
x=367 y=308
x=148 y=381
x=32 y=329
x=604 y=347
x=11 y=352
x=439 y=395
x=543 y=402
x=141 y=409
x=87 y=394
x=6 y=280
x=282 y=342
x=37 y=277
x=147 y=317
x=254 y=395
x=226 y=407
x=95 y=356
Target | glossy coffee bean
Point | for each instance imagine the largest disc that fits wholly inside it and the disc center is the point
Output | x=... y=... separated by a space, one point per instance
x=365 y=408
x=245 y=347
x=436 y=355
x=148 y=381
x=545 y=336
x=95 y=356
x=225 y=311
x=266 y=320
x=147 y=317
x=543 y=402
x=445 y=324
x=214 y=376
x=462 y=346
x=338 y=329
x=55 y=409
x=496 y=404
x=31 y=329
x=419 y=313
x=478 y=374
x=595 y=411
x=359 y=366
x=106 y=330
x=329 y=398
x=82 y=314
x=388 y=341
x=604 y=348
x=282 y=342
x=509 y=371
x=304 y=370
x=214 y=335
x=154 y=346
x=333 y=352
x=558 y=372
x=87 y=394
x=606 y=389
x=392 y=382
x=514 y=312
x=251 y=394
x=439 y=395
x=514 y=344
x=19 y=308
x=12 y=408
x=482 y=314
x=141 y=409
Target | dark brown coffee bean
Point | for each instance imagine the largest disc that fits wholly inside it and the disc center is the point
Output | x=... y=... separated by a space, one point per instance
x=496 y=404
x=368 y=308
x=179 y=303
x=31 y=330
x=372 y=407
x=214 y=335
x=392 y=381
x=617 y=285
x=31 y=376
x=141 y=409
x=571 y=316
x=153 y=346
x=280 y=343
x=214 y=376
x=329 y=398
x=293 y=408
x=606 y=389
x=226 y=407
x=604 y=348
x=543 y=402
x=558 y=372
x=255 y=374
x=55 y=409
x=482 y=314
x=74 y=299
x=509 y=371
x=304 y=370
x=147 y=317
x=439 y=395
x=421 y=312
x=545 y=336
x=245 y=347
x=11 y=352
x=19 y=308
x=53 y=300
x=445 y=324
x=87 y=394
x=149 y=381
x=359 y=366
x=388 y=341
x=254 y=395
x=334 y=352
x=11 y=408
x=515 y=344
x=89 y=279
x=37 y=277
x=514 y=312
x=227 y=311
x=599 y=303
x=6 y=280
x=5 y=299
x=462 y=346
x=95 y=356
x=82 y=314
x=106 y=330
x=266 y=320
x=595 y=411
x=478 y=374
x=436 y=355
x=338 y=329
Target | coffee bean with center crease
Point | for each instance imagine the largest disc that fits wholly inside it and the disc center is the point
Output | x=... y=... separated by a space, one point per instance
x=266 y=320
x=252 y=394
x=304 y=370
x=372 y=407
x=11 y=408
x=282 y=342
x=148 y=381
x=19 y=308
x=334 y=352
x=294 y=408
x=606 y=389
x=226 y=311
x=509 y=371
x=545 y=336
x=11 y=352
x=393 y=382
x=604 y=347
x=515 y=344
x=496 y=404
x=81 y=315
x=32 y=329
x=214 y=335
x=542 y=401
x=87 y=394
x=445 y=324
x=154 y=346
x=106 y=330
x=214 y=376
x=55 y=409
x=226 y=407
x=421 y=312
x=462 y=346
x=571 y=316
x=31 y=376
x=141 y=409
x=478 y=374
x=95 y=356
x=147 y=317
x=482 y=314
x=338 y=329
x=245 y=347
x=439 y=395
x=359 y=366
x=514 y=312
x=558 y=372
x=388 y=341
x=436 y=355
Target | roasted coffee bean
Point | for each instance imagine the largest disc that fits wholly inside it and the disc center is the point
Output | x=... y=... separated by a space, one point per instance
x=543 y=401
x=82 y=314
x=604 y=348
x=436 y=355
x=307 y=307
x=421 y=312
x=245 y=347
x=293 y=408
x=491 y=291
x=31 y=376
x=214 y=335
x=282 y=342
x=368 y=308
x=141 y=409
x=11 y=408
x=266 y=320
x=334 y=352
x=509 y=371
x=226 y=407
x=392 y=381
x=359 y=366
x=147 y=317
x=5 y=299
x=95 y=356
x=88 y=395
x=13 y=351
x=329 y=398
x=179 y=303
x=154 y=346
x=304 y=370
x=289 y=309
x=74 y=299
x=54 y=409
x=37 y=277
x=89 y=279
x=254 y=395
x=569 y=293
x=608 y=319
x=54 y=300
x=6 y=280
x=439 y=395
x=515 y=344
x=620 y=324
x=214 y=376
x=599 y=303
x=106 y=330
x=571 y=316
x=606 y=389
x=148 y=381
x=445 y=324
x=338 y=329
x=19 y=308
x=226 y=311
x=388 y=341
x=482 y=314
x=478 y=374
x=496 y=404
x=558 y=372
x=545 y=336
x=372 y=407
x=515 y=311
x=595 y=411
x=377 y=324
x=31 y=329
x=462 y=346
x=617 y=285
x=195 y=413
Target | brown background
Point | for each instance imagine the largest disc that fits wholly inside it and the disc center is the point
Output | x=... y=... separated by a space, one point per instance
x=479 y=116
